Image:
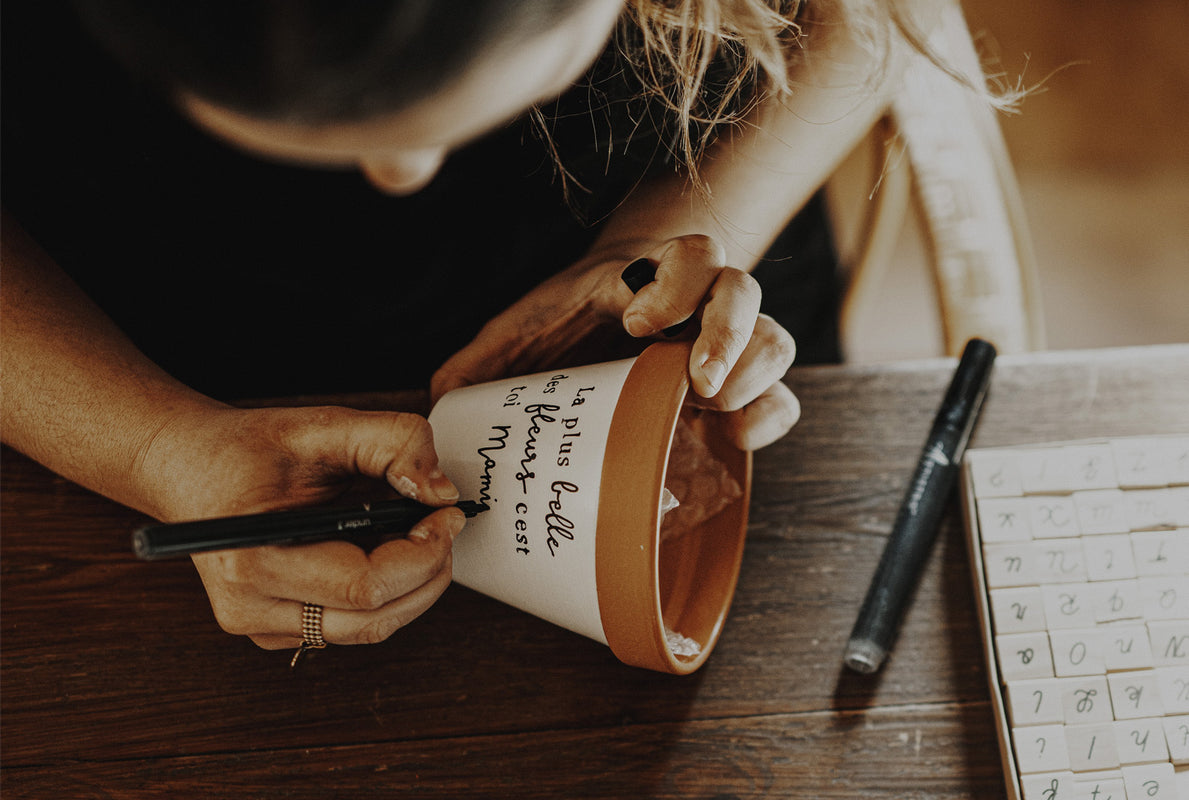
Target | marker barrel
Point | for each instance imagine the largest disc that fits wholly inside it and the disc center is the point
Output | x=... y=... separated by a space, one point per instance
x=919 y=517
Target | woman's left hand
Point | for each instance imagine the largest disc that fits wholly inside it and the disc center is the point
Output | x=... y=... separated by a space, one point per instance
x=738 y=359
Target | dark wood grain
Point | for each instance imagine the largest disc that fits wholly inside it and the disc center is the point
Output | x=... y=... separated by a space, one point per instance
x=901 y=754
x=117 y=682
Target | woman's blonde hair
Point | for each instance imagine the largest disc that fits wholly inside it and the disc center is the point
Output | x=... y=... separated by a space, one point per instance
x=672 y=45
x=707 y=63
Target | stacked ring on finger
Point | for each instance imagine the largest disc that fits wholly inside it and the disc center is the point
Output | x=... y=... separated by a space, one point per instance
x=311 y=631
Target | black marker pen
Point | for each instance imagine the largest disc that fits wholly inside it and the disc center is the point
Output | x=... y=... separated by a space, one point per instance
x=920 y=513
x=300 y=525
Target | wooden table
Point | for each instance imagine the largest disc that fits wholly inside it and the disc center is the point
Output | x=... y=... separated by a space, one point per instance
x=118 y=683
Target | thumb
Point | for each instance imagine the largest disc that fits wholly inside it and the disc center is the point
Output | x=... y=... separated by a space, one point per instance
x=395 y=447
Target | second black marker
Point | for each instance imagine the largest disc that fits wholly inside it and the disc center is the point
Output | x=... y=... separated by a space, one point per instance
x=920 y=513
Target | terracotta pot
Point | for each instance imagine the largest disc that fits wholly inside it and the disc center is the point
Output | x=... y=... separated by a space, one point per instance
x=572 y=465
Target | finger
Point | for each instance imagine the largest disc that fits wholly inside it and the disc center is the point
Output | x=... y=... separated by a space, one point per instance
x=341 y=575
x=686 y=268
x=639 y=274
x=542 y=323
x=397 y=448
x=359 y=627
x=728 y=322
x=765 y=360
x=275 y=642
x=484 y=358
x=252 y=591
x=370 y=627
x=764 y=420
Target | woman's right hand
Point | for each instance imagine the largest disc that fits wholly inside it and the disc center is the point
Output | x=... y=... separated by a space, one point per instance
x=80 y=398
x=226 y=461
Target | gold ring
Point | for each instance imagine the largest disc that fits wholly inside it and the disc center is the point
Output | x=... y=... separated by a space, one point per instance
x=311 y=631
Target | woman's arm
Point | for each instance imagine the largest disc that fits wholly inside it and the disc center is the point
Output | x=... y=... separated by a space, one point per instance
x=757 y=177
x=78 y=396
x=763 y=170
x=81 y=399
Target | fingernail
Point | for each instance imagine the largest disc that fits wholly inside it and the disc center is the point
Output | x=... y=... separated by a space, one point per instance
x=715 y=370
x=405 y=485
x=443 y=487
x=419 y=532
x=637 y=325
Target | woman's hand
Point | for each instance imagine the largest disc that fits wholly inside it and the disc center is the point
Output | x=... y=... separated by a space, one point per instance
x=264 y=459
x=738 y=357
x=84 y=401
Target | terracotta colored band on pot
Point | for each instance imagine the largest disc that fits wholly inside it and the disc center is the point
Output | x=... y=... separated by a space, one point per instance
x=691 y=584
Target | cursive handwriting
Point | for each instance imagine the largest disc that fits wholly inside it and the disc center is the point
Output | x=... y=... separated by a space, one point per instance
x=538 y=415
x=497 y=442
x=557 y=524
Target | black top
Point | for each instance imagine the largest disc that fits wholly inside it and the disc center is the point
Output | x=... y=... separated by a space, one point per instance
x=243 y=277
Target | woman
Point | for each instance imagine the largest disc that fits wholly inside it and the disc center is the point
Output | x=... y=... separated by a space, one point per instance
x=393 y=89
